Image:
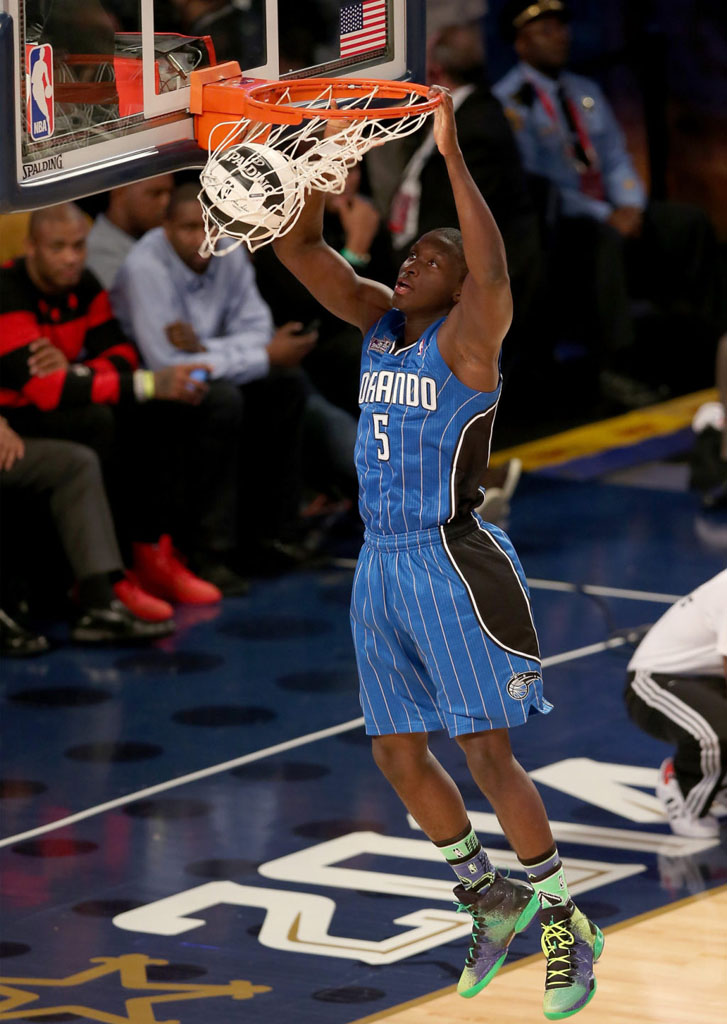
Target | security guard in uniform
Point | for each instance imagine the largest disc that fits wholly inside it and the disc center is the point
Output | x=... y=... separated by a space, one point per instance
x=611 y=245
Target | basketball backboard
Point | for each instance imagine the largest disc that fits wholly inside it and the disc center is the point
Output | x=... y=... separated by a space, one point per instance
x=95 y=93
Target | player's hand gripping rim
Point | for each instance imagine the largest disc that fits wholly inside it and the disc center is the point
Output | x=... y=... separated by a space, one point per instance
x=445 y=126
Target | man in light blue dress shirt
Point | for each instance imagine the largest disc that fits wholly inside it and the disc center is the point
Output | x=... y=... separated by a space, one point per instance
x=173 y=302
x=611 y=245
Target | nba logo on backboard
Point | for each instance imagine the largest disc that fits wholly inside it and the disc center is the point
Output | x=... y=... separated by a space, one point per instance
x=39 y=71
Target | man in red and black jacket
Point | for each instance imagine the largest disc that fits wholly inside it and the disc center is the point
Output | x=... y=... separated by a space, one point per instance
x=60 y=346
x=67 y=371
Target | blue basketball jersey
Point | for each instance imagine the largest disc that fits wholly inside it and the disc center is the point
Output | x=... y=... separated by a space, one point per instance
x=424 y=437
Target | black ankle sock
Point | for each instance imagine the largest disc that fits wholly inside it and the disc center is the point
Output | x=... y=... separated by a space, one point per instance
x=95 y=591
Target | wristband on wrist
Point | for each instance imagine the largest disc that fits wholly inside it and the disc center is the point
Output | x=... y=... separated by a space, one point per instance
x=144 y=387
x=354 y=258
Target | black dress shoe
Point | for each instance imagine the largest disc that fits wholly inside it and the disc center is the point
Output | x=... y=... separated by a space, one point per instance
x=116 y=624
x=222 y=576
x=18 y=642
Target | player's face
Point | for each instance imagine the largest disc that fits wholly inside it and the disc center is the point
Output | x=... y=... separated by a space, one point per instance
x=185 y=231
x=544 y=43
x=147 y=202
x=57 y=253
x=430 y=277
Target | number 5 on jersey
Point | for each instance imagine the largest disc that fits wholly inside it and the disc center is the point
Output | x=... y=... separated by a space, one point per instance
x=381 y=421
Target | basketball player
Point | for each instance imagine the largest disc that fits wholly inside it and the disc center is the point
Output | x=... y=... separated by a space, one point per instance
x=440 y=609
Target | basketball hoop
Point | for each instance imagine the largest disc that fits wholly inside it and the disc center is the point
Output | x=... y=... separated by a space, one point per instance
x=270 y=143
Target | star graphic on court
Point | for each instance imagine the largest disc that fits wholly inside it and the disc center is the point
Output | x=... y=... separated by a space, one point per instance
x=17 y=997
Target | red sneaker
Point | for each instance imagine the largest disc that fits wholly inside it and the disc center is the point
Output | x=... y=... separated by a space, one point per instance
x=138 y=601
x=160 y=570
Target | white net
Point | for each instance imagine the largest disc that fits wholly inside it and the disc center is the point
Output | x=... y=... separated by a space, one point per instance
x=258 y=175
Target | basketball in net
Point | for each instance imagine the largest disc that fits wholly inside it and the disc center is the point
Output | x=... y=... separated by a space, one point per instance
x=249 y=191
x=290 y=138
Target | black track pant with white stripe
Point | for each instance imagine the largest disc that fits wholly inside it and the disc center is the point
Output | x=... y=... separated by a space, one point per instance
x=691 y=712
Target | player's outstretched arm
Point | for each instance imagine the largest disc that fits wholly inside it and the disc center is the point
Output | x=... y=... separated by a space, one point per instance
x=326 y=274
x=471 y=338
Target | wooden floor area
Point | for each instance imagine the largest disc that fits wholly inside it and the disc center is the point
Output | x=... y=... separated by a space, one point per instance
x=665 y=967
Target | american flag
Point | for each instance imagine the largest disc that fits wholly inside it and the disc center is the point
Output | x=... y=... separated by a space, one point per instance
x=363 y=27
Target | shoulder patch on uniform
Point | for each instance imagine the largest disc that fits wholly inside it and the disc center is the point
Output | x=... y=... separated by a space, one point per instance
x=519 y=684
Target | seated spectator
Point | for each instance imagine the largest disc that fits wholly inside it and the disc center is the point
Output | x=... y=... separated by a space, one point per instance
x=132 y=211
x=176 y=304
x=676 y=692
x=68 y=372
x=111 y=605
x=353 y=226
x=611 y=245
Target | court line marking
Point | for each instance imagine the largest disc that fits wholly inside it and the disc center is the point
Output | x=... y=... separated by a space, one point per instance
x=570 y=588
x=256 y=755
x=587 y=588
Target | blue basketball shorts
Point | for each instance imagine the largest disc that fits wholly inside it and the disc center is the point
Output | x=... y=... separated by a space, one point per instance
x=443 y=632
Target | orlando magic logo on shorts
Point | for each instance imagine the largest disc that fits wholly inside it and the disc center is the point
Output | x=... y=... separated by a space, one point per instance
x=520 y=683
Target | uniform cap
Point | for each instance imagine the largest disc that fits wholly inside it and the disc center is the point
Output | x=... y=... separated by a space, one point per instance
x=517 y=13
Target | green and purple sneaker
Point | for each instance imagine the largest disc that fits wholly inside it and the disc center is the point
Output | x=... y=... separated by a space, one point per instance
x=505 y=908
x=571 y=944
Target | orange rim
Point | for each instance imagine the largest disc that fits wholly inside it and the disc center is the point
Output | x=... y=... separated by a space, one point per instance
x=263 y=101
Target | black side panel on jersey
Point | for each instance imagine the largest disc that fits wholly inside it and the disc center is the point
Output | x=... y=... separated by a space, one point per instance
x=470 y=459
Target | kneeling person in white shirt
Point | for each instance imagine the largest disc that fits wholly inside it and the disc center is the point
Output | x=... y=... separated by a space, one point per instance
x=677 y=691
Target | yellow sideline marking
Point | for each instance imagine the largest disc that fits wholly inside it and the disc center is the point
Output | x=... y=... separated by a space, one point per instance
x=618 y=432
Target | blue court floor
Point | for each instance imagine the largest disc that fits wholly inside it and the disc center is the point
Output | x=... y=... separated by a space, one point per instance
x=196 y=832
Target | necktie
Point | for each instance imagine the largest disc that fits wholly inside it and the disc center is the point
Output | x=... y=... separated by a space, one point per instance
x=579 y=150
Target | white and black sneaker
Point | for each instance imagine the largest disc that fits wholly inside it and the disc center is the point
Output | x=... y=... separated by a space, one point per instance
x=681 y=819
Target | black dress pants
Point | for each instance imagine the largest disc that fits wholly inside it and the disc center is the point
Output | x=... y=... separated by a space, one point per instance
x=169 y=467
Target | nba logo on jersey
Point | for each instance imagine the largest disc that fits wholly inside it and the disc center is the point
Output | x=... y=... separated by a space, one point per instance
x=39 y=71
